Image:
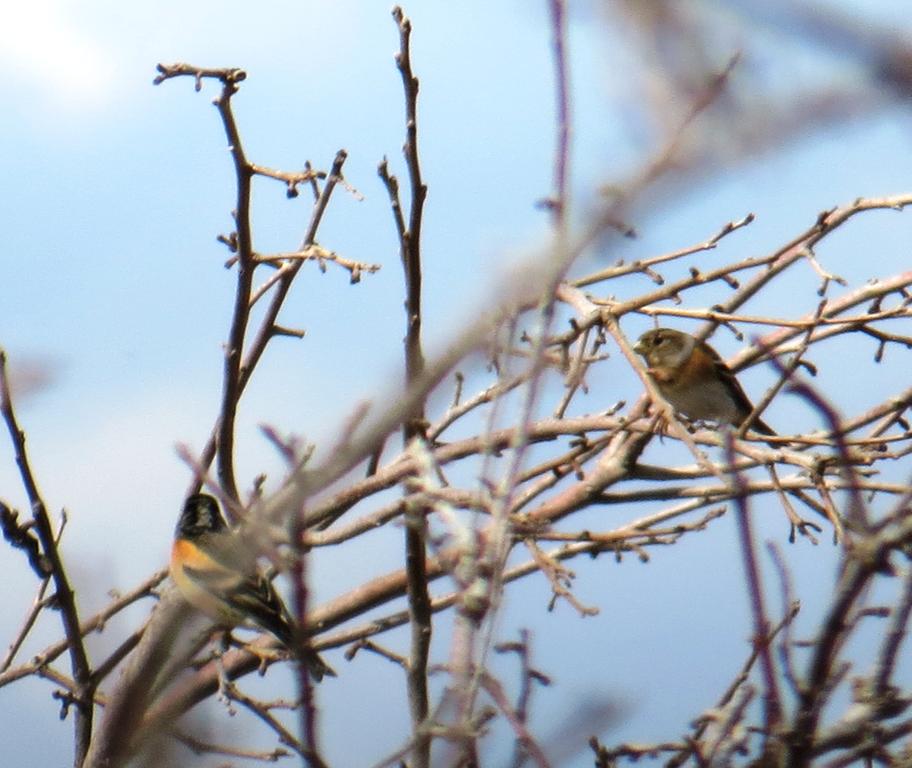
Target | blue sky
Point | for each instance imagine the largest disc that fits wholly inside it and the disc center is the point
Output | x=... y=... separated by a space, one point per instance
x=111 y=278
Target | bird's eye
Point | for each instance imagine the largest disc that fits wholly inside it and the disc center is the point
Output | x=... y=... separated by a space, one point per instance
x=659 y=339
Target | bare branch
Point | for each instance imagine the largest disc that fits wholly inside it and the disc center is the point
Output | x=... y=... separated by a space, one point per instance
x=63 y=591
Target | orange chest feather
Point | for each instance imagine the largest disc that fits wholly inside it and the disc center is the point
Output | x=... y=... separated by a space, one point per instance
x=186 y=554
x=698 y=368
x=187 y=558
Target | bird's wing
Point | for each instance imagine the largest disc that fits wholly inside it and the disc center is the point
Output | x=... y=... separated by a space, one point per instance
x=742 y=401
x=230 y=571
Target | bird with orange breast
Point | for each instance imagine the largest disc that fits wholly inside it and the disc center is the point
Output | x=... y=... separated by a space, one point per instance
x=216 y=572
x=692 y=376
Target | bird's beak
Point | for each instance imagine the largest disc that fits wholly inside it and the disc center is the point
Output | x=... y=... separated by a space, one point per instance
x=639 y=347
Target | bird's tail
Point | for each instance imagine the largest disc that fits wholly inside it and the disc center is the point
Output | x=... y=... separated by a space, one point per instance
x=759 y=425
x=286 y=634
x=317 y=667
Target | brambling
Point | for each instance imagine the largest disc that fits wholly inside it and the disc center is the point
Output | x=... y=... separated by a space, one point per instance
x=691 y=376
x=217 y=574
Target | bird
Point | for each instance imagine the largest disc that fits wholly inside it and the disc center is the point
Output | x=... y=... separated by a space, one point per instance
x=216 y=573
x=692 y=376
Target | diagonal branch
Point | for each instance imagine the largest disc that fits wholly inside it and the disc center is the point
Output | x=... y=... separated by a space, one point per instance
x=63 y=592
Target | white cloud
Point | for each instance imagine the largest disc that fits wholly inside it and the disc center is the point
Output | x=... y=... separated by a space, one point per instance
x=41 y=44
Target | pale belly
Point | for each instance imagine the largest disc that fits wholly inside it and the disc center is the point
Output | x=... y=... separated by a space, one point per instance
x=709 y=402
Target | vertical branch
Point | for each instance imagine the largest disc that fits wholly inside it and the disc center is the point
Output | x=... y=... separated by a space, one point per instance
x=410 y=238
x=559 y=204
x=562 y=256
x=856 y=573
x=893 y=639
x=238 y=368
x=223 y=446
x=409 y=231
x=772 y=702
x=559 y=201
x=231 y=388
x=302 y=647
x=498 y=541
x=528 y=676
x=63 y=592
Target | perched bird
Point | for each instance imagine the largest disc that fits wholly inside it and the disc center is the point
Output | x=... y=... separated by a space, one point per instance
x=694 y=379
x=217 y=574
